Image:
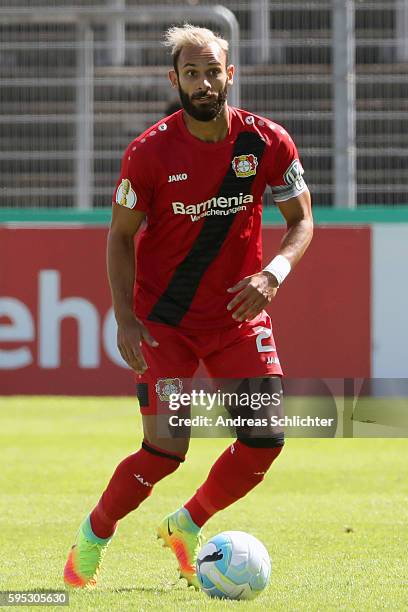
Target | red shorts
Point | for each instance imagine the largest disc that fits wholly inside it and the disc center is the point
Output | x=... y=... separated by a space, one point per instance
x=245 y=351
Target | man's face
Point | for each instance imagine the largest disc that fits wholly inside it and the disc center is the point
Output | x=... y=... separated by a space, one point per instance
x=202 y=80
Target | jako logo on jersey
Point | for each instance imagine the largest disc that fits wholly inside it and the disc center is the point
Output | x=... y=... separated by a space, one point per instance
x=212 y=206
x=244 y=165
x=293 y=175
x=168 y=386
x=177 y=177
x=125 y=196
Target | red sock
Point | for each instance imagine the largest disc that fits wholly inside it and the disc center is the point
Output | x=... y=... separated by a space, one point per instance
x=238 y=470
x=131 y=483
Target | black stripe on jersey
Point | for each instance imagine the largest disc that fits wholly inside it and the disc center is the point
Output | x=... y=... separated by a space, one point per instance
x=142 y=394
x=176 y=299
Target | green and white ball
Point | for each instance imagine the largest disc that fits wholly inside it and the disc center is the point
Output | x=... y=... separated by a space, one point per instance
x=233 y=565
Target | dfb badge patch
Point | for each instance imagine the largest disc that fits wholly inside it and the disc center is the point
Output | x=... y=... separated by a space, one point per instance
x=125 y=196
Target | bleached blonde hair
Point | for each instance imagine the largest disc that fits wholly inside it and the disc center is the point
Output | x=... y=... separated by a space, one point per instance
x=178 y=37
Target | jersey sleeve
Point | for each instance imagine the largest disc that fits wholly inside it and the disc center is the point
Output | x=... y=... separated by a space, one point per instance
x=285 y=172
x=134 y=188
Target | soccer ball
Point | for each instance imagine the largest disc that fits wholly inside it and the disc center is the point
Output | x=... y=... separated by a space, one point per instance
x=233 y=565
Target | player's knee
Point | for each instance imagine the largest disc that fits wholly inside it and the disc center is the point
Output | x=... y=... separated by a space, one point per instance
x=176 y=452
x=171 y=447
x=158 y=437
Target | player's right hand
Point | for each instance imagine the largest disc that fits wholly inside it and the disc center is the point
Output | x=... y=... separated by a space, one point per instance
x=131 y=334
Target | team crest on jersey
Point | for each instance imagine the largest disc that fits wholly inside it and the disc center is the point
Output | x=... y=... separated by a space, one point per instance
x=168 y=386
x=244 y=165
x=125 y=196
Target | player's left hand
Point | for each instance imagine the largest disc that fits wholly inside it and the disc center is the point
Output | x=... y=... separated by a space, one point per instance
x=255 y=292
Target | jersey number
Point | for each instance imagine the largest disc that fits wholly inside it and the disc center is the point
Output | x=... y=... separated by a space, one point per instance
x=263 y=333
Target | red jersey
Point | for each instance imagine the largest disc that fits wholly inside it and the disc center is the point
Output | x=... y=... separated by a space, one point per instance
x=203 y=205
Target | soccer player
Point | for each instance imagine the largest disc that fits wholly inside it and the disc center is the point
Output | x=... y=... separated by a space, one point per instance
x=196 y=178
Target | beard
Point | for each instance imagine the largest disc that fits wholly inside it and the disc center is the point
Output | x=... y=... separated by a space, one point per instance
x=206 y=111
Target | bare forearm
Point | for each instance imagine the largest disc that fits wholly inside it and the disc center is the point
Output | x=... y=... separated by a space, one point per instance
x=296 y=240
x=121 y=273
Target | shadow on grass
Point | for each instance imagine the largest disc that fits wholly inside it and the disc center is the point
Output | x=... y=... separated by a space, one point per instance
x=157 y=590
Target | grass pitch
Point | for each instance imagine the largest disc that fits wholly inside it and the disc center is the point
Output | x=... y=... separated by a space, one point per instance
x=333 y=513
